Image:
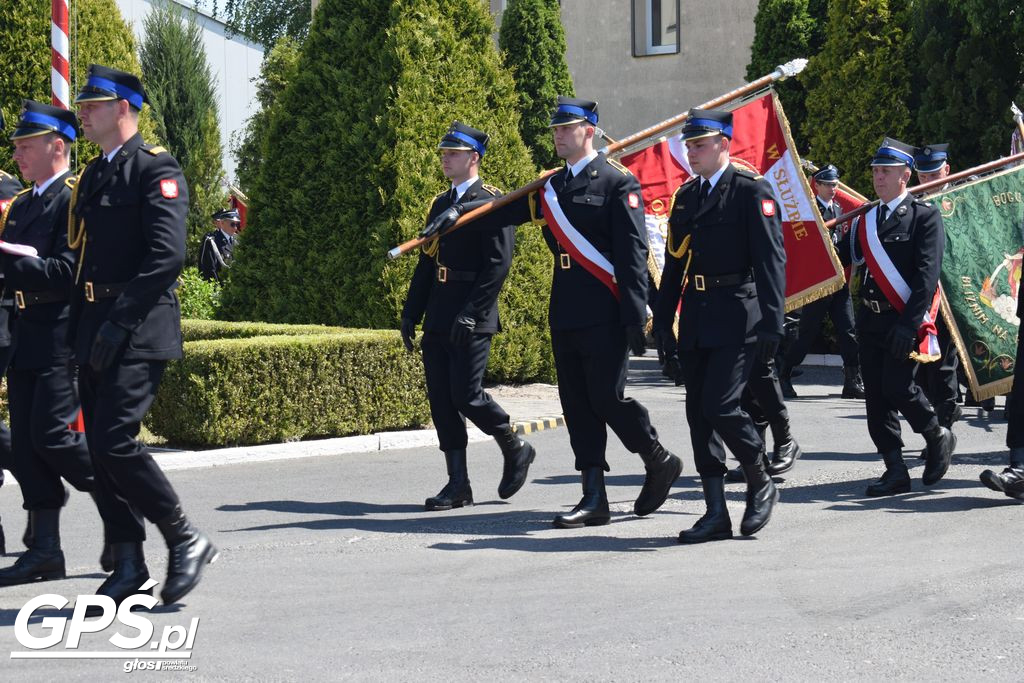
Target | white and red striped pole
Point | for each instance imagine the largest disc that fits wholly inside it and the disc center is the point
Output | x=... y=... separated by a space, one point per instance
x=60 y=72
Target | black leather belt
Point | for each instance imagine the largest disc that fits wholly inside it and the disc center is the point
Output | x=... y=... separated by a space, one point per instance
x=25 y=299
x=703 y=282
x=565 y=261
x=446 y=274
x=94 y=291
x=877 y=306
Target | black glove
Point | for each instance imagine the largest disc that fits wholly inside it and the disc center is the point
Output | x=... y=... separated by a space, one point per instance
x=109 y=339
x=442 y=221
x=666 y=342
x=766 y=348
x=462 y=329
x=636 y=339
x=901 y=342
x=408 y=331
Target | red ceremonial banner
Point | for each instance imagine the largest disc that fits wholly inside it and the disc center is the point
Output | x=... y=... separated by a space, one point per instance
x=762 y=144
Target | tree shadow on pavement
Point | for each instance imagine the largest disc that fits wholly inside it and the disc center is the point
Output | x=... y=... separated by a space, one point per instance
x=848 y=496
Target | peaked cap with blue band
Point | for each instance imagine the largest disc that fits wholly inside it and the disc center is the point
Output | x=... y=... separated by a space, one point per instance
x=892 y=152
x=703 y=123
x=828 y=174
x=226 y=215
x=461 y=136
x=570 y=110
x=105 y=84
x=40 y=119
x=932 y=158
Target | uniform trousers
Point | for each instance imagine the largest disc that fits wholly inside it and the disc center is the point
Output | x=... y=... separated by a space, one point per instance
x=715 y=381
x=839 y=309
x=591 y=365
x=455 y=375
x=130 y=485
x=43 y=404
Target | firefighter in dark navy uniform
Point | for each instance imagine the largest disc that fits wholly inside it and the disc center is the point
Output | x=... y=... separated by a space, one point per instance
x=838 y=306
x=128 y=224
x=217 y=250
x=456 y=283
x=725 y=248
x=908 y=233
x=597 y=308
x=40 y=384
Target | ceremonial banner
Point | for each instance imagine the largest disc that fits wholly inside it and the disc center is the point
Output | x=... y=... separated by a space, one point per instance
x=981 y=271
x=762 y=144
x=241 y=202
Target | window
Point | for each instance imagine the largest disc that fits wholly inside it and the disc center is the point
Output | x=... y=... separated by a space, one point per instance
x=655 y=27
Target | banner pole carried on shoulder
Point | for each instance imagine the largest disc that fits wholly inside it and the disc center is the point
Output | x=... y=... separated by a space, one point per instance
x=923 y=188
x=784 y=71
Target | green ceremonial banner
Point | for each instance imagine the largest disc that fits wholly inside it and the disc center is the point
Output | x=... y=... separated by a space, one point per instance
x=981 y=270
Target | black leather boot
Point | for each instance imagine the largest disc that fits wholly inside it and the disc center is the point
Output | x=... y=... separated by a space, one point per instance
x=896 y=478
x=786 y=451
x=592 y=510
x=456 y=493
x=3 y=540
x=786 y=381
x=663 y=468
x=761 y=498
x=853 y=385
x=1011 y=478
x=941 y=443
x=715 y=525
x=189 y=551
x=518 y=455
x=44 y=560
x=129 y=574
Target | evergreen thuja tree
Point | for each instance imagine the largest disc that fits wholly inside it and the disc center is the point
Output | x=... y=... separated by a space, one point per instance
x=533 y=42
x=782 y=31
x=99 y=35
x=181 y=90
x=249 y=145
x=858 y=86
x=353 y=168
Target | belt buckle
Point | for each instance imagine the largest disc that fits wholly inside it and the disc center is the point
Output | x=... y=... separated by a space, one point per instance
x=19 y=299
x=442 y=274
x=564 y=261
x=698 y=283
x=90 y=295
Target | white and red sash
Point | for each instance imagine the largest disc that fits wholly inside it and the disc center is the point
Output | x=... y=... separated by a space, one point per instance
x=577 y=246
x=896 y=289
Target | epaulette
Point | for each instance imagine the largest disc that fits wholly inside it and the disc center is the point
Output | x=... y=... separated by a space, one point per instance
x=748 y=174
x=154 y=150
x=492 y=189
x=923 y=202
x=619 y=167
x=5 y=174
x=71 y=181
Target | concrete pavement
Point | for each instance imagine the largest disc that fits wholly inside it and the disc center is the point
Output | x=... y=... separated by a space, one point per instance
x=330 y=570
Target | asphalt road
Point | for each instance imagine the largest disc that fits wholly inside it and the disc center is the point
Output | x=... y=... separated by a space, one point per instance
x=330 y=570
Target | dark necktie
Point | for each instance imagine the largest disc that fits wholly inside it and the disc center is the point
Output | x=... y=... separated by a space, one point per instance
x=568 y=175
x=883 y=212
x=453 y=196
x=101 y=167
x=705 y=190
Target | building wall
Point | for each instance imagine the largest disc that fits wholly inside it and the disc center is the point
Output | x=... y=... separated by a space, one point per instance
x=234 y=61
x=636 y=92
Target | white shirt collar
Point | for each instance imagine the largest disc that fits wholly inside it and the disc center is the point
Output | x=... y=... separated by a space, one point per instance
x=461 y=188
x=716 y=177
x=40 y=188
x=578 y=167
x=896 y=202
x=110 y=157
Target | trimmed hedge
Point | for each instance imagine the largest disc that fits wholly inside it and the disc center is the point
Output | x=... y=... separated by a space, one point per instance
x=197 y=330
x=257 y=389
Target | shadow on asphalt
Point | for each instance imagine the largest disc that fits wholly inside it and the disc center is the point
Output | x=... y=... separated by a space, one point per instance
x=561 y=544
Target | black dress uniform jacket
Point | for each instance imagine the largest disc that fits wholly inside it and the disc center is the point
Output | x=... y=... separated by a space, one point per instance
x=40 y=329
x=134 y=212
x=913 y=237
x=473 y=266
x=215 y=254
x=730 y=235
x=598 y=203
